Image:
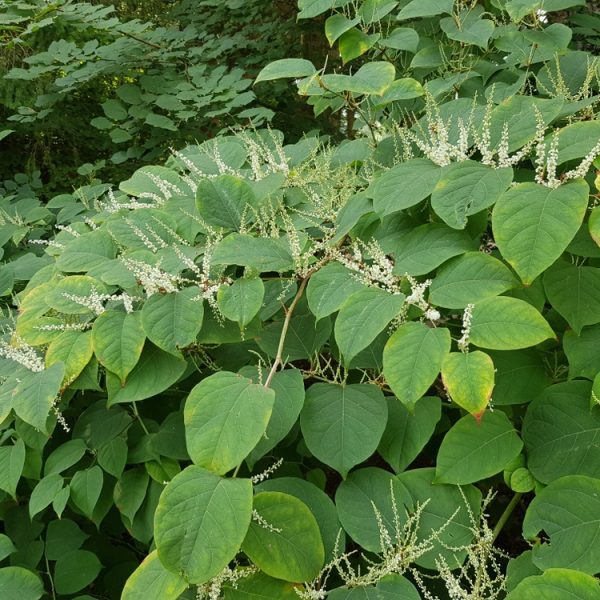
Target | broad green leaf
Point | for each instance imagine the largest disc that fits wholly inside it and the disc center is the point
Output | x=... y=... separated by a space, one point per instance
x=470 y=28
x=401 y=38
x=286 y=543
x=319 y=503
x=112 y=457
x=200 y=522
x=358 y=593
x=222 y=201
x=225 y=417
x=18 y=583
x=466 y=188
x=34 y=396
x=130 y=492
x=533 y=224
x=574 y=292
x=160 y=121
x=557 y=584
x=373 y=78
x=144 y=229
x=118 y=339
x=468 y=279
x=445 y=513
x=425 y=8
x=87 y=252
x=263 y=254
x=364 y=315
x=65 y=456
x=313 y=8
x=354 y=43
x=6 y=546
x=12 y=460
x=336 y=25
x=73 y=349
x=360 y=495
x=520 y=376
x=155 y=372
x=259 y=586
x=568 y=512
x=412 y=359
x=505 y=323
x=335 y=416
x=473 y=450
x=288 y=386
x=172 y=321
x=575 y=140
x=401 y=89
x=583 y=352
x=560 y=433
x=151 y=581
x=428 y=246
x=241 y=300
x=85 y=489
x=594 y=224
x=75 y=570
x=286 y=68
x=469 y=379
x=44 y=492
x=397 y=587
x=404 y=185
x=329 y=288
x=406 y=434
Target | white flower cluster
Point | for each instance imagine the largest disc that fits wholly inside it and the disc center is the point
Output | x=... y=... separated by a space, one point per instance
x=267 y=472
x=23 y=354
x=260 y=520
x=151 y=277
x=211 y=590
x=93 y=302
x=463 y=342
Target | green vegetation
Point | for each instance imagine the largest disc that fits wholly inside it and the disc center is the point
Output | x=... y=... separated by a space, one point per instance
x=300 y=301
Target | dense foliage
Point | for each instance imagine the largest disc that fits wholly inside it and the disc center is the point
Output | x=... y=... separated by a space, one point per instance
x=358 y=363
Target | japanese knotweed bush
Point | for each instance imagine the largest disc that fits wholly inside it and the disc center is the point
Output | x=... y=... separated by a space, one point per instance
x=314 y=371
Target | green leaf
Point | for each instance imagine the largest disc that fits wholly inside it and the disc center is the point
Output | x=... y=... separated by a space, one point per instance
x=151 y=581
x=468 y=279
x=407 y=433
x=470 y=29
x=118 y=340
x=241 y=300
x=75 y=570
x=401 y=38
x=65 y=456
x=313 y=8
x=78 y=286
x=222 y=201
x=144 y=228
x=444 y=513
x=259 y=586
x=172 y=321
x=263 y=254
x=364 y=315
x=288 y=386
x=225 y=417
x=200 y=522
x=520 y=376
x=568 y=511
x=130 y=492
x=575 y=140
x=12 y=460
x=560 y=433
x=329 y=288
x=360 y=495
x=155 y=372
x=6 y=546
x=112 y=457
x=474 y=450
x=404 y=185
x=34 y=396
x=412 y=359
x=466 y=188
x=425 y=8
x=335 y=416
x=287 y=543
x=583 y=352
x=533 y=224
x=160 y=121
x=73 y=349
x=574 y=292
x=87 y=252
x=336 y=25
x=44 y=492
x=469 y=380
x=85 y=489
x=286 y=68
x=373 y=78
x=505 y=323
x=428 y=246
x=557 y=584
x=401 y=89
x=19 y=583
x=354 y=43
